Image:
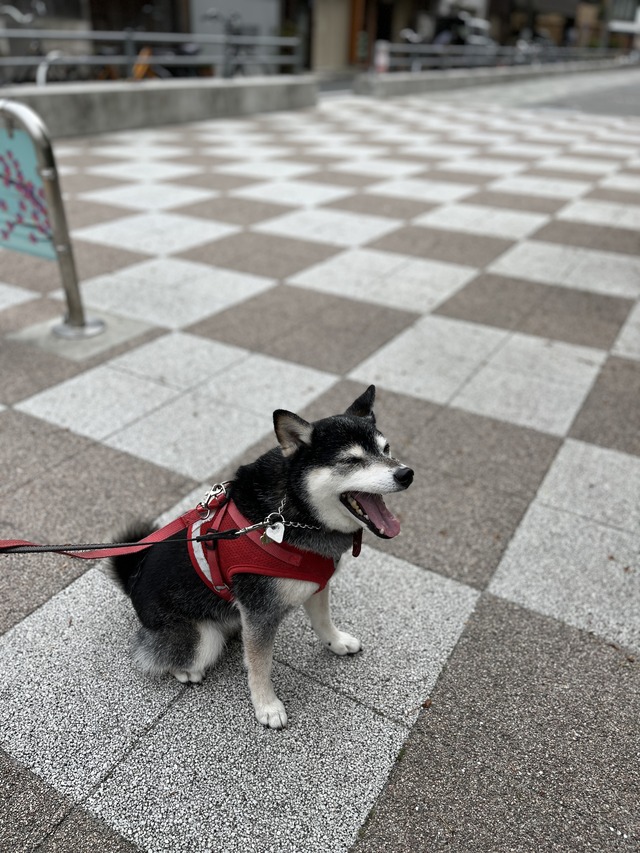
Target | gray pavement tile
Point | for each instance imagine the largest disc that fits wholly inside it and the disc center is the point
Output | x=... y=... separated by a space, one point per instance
x=502 y=456
x=494 y=300
x=396 y=208
x=444 y=174
x=616 y=196
x=31 y=370
x=261 y=254
x=239 y=211
x=211 y=181
x=89 y=496
x=347 y=179
x=576 y=570
x=454 y=526
x=513 y=754
x=81 y=212
x=577 y=317
x=37 y=274
x=295 y=324
x=611 y=413
x=605 y=238
x=25 y=314
x=450 y=246
x=93 y=259
x=29 y=808
x=532 y=204
x=82 y=831
x=84 y=182
x=31 y=446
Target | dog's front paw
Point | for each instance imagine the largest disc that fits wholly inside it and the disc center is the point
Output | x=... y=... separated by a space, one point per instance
x=343 y=644
x=272 y=714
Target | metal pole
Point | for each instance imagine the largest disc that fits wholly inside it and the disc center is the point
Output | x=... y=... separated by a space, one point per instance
x=75 y=324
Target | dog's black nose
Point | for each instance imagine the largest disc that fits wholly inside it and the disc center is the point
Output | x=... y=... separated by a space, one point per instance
x=404 y=476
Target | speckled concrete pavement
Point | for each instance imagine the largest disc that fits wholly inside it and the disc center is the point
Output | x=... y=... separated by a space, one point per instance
x=475 y=255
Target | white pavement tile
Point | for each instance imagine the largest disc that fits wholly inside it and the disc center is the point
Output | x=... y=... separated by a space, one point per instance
x=11 y=295
x=575 y=570
x=478 y=219
x=179 y=360
x=596 y=482
x=569 y=266
x=542 y=187
x=98 y=402
x=423 y=190
x=347 y=152
x=112 y=737
x=155 y=233
x=235 y=787
x=627 y=182
x=437 y=150
x=247 y=151
x=226 y=414
x=587 y=165
x=72 y=704
x=424 y=619
x=144 y=170
x=484 y=166
x=627 y=343
x=171 y=292
x=149 y=196
x=380 y=166
x=330 y=226
x=608 y=213
x=431 y=359
x=600 y=149
x=525 y=149
x=298 y=193
x=139 y=150
x=533 y=383
x=371 y=276
x=267 y=170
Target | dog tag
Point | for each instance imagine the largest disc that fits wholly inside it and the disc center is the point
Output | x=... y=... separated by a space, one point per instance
x=275 y=532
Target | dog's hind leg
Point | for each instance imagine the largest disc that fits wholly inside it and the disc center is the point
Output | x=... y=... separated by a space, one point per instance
x=339 y=642
x=184 y=649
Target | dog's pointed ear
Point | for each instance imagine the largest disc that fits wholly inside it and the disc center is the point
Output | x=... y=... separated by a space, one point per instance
x=292 y=431
x=363 y=406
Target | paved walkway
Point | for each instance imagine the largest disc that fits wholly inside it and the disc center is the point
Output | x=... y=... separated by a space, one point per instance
x=478 y=260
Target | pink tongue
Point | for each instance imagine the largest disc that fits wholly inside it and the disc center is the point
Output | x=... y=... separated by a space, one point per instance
x=378 y=513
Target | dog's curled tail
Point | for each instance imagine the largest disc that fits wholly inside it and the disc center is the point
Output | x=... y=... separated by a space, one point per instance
x=124 y=567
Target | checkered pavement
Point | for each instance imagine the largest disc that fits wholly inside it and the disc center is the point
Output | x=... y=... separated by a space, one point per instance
x=479 y=264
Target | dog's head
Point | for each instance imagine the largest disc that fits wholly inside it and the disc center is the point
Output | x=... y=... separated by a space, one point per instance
x=341 y=466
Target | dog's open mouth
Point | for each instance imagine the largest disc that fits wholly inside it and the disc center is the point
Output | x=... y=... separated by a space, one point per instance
x=372 y=511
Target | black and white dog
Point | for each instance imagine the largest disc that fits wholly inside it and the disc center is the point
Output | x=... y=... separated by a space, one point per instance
x=320 y=487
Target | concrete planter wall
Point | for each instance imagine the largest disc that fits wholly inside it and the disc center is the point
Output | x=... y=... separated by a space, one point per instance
x=399 y=83
x=79 y=109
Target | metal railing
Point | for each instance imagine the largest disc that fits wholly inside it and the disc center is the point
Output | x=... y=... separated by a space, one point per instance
x=224 y=55
x=421 y=57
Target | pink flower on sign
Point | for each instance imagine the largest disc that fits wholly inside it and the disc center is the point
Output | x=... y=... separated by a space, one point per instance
x=24 y=217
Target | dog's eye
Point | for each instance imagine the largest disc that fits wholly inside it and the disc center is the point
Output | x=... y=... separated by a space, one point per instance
x=387 y=449
x=353 y=460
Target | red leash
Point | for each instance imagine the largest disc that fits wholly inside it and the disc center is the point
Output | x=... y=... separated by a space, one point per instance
x=214 y=499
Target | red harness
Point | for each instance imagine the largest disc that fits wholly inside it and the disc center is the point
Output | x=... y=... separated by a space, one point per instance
x=217 y=561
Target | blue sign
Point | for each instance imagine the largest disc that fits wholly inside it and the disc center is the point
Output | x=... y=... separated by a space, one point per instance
x=24 y=217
